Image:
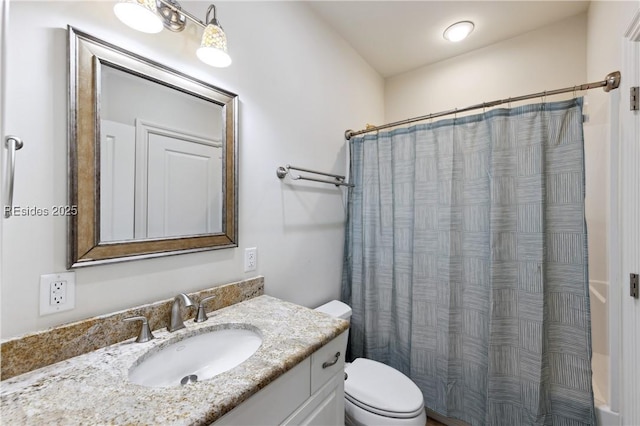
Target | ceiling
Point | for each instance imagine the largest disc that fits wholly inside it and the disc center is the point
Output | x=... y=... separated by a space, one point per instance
x=396 y=36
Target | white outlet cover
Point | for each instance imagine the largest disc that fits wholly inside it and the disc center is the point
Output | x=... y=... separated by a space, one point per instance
x=250 y=259
x=46 y=308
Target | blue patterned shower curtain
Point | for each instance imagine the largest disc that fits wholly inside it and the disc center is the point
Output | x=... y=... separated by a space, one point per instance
x=466 y=263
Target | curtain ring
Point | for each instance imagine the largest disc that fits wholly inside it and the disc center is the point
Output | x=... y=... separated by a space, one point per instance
x=484 y=107
x=575 y=93
x=509 y=102
x=371 y=127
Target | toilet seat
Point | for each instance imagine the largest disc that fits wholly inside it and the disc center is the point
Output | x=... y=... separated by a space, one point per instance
x=382 y=390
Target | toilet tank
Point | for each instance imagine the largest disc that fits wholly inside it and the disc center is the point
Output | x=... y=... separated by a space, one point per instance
x=337 y=309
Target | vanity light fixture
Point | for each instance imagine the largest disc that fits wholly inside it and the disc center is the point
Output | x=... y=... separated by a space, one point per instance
x=213 y=48
x=150 y=16
x=458 y=31
x=141 y=15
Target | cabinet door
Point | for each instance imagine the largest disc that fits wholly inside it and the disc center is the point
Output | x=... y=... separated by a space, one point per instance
x=328 y=361
x=274 y=402
x=324 y=408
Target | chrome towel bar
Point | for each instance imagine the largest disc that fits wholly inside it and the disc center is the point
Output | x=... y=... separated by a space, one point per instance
x=281 y=172
x=13 y=144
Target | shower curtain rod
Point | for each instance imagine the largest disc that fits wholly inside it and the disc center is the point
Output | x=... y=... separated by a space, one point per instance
x=610 y=82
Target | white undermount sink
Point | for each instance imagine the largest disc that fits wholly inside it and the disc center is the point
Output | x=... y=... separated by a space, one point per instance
x=196 y=358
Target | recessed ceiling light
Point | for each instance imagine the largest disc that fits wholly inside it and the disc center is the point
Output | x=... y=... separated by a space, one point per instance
x=458 y=31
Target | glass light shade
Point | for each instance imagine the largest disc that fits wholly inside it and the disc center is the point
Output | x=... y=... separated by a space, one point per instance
x=213 y=48
x=140 y=15
x=458 y=31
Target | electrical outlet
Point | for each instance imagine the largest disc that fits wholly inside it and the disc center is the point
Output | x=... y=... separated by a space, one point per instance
x=250 y=259
x=57 y=292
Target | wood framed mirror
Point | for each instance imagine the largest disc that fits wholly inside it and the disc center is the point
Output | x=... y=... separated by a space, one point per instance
x=153 y=161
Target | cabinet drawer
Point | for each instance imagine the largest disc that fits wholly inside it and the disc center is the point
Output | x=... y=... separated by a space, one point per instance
x=326 y=362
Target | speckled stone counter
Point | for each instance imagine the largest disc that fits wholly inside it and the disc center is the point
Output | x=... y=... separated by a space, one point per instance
x=47 y=347
x=94 y=389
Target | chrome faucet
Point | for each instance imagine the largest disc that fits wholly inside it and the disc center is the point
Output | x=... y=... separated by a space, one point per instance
x=175 y=322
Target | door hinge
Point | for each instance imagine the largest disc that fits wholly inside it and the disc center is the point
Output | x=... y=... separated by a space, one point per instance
x=633 y=285
x=634 y=98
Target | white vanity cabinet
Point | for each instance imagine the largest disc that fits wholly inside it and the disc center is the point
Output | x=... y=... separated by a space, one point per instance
x=311 y=393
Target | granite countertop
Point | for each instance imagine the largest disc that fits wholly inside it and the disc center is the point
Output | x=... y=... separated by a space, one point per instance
x=94 y=388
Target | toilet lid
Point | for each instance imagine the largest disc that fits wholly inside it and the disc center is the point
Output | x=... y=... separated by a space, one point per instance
x=383 y=390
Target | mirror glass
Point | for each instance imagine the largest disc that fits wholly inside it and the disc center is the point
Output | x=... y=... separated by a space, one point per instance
x=153 y=158
x=160 y=160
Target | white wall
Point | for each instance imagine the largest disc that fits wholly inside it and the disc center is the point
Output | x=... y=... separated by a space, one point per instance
x=544 y=59
x=617 y=156
x=300 y=87
x=606 y=24
x=4 y=16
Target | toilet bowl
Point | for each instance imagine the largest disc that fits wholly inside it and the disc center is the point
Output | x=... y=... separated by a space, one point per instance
x=376 y=394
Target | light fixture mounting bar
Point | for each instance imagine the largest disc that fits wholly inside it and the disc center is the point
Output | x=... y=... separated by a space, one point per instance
x=186 y=14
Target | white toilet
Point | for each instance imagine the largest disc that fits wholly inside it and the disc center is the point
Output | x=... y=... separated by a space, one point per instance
x=376 y=394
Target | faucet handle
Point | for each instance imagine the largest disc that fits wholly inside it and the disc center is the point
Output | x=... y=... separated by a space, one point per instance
x=145 y=332
x=202 y=314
